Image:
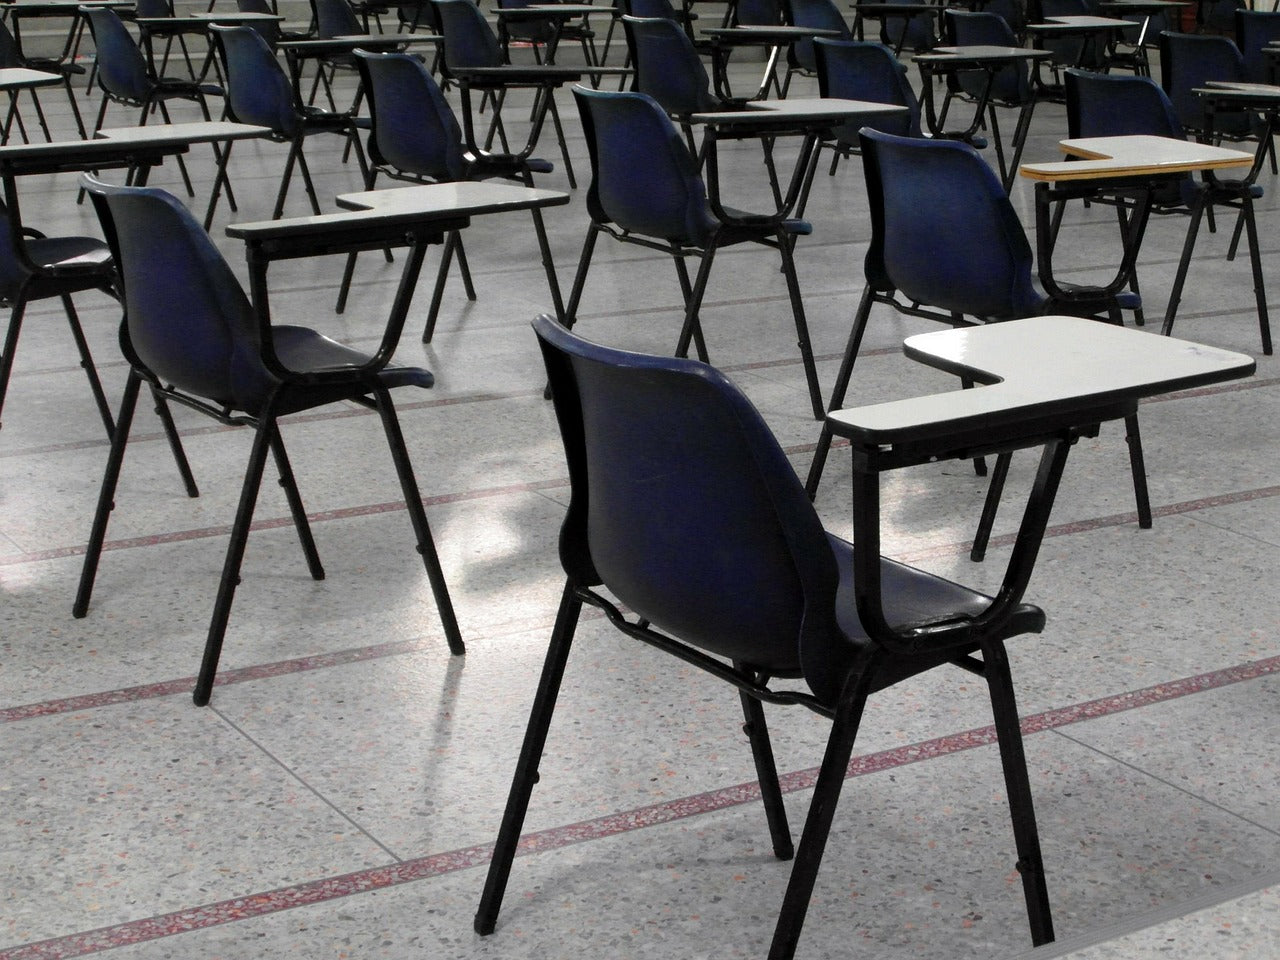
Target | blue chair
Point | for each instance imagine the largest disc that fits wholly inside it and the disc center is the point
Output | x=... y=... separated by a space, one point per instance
x=35 y=267
x=470 y=42
x=685 y=512
x=542 y=34
x=916 y=33
x=861 y=70
x=819 y=15
x=1010 y=87
x=259 y=92
x=645 y=190
x=416 y=138
x=177 y=30
x=1255 y=30
x=1089 y=52
x=126 y=78
x=11 y=58
x=192 y=335
x=947 y=245
x=1105 y=105
x=12 y=55
x=1191 y=60
x=336 y=18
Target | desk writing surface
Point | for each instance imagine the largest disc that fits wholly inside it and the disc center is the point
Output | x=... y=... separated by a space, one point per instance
x=1134 y=156
x=1033 y=368
x=20 y=78
x=404 y=205
x=979 y=53
x=1084 y=23
x=197 y=131
x=797 y=110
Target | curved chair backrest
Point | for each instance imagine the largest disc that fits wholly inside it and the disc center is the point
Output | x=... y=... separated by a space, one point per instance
x=122 y=69
x=1219 y=15
x=650 y=9
x=1190 y=60
x=683 y=504
x=532 y=31
x=643 y=177
x=1118 y=105
x=10 y=55
x=758 y=12
x=861 y=70
x=416 y=16
x=268 y=29
x=258 y=91
x=414 y=129
x=469 y=41
x=335 y=18
x=1012 y=84
x=187 y=319
x=13 y=272
x=943 y=231
x=819 y=15
x=1256 y=29
x=153 y=8
x=919 y=30
x=667 y=66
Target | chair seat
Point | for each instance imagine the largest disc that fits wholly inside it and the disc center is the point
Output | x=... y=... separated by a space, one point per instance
x=752 y=224
x=916 y=596
x=71 y=253
x=504 y=165
x=305 y=351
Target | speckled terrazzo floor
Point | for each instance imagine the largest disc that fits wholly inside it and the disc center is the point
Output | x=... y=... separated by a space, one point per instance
x=339 y=796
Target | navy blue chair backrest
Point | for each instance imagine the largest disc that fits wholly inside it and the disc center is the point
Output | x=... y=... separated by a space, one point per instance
x=819 y=15
x=649 y=9
x=152 y=8
x=122 y=69
x=861 y=70
x=469 y=41
x=1190 y=60
x=414 y=129
x=1012 y=84
x=684 y=505
x=336 y=18
x=758 y=12
x=1118 y=105
x=268 y=29
x=10 y=56
x=1255 y=29
x=643 y=178
x=667 y=66
x=943 y=231
x=187 y=318
x=258 y=91
x=12 y=271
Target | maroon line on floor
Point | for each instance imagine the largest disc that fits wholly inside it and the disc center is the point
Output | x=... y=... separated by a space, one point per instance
x=438 y=864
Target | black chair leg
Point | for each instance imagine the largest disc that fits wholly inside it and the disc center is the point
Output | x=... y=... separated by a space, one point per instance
x=295 y=151
x=982 y=536
x=1188 y=247
x=307 y=182
x=802 y=326
x=1018 y=786
x=580 y=276
x=11 y=346
x=839 y=390
x=296 y=510
x=1255 y=262
x=107 y=495
x=86 y=362
x=548 y=265
x=235 y=555
x=175 y=443
x=686 y=294
x=822 y=809
x=418 y=517
x=437 y=293
x=526 y=775
x=1136 y=463
x=692 y=328
x=766 y=773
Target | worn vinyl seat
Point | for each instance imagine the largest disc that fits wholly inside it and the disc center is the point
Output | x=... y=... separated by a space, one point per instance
x=191 y=333
x=947 y=245
x=645 y=190
x=685 y=511
x=1111 y=105
x=415 y=137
